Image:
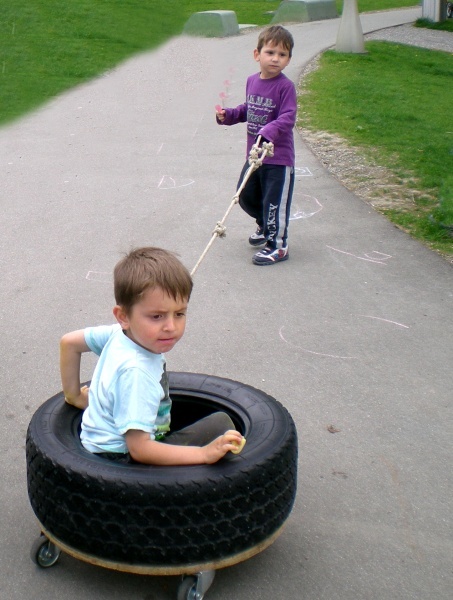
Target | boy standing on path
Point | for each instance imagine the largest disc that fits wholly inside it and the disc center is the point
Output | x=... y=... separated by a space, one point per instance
x=127 y=407
x=270 y=112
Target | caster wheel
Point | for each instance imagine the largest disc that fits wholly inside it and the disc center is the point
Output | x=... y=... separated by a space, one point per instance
x=187 y=589
x=44 y=553
x=194 y=587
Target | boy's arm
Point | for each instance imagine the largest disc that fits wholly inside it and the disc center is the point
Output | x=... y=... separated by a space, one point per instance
x=286 y=118
x=71 y=347
x=145 y=450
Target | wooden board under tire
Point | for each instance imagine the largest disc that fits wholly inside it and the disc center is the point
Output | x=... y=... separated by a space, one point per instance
x=163 y=570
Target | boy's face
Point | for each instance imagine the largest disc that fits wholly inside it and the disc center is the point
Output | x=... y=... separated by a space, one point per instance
x=273 y=59
x=157 y=322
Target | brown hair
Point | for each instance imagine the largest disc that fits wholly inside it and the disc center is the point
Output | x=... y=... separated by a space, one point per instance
x=275 y=35
x=147 y=268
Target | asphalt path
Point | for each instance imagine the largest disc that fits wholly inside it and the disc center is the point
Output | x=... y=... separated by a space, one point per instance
x=353 y=334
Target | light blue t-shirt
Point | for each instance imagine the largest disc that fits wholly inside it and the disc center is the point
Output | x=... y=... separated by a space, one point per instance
x=129 y=390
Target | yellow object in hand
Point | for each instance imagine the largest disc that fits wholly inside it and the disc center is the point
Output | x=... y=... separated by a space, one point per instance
x=239 y=447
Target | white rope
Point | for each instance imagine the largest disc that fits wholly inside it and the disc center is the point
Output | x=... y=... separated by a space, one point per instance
x=256 y=157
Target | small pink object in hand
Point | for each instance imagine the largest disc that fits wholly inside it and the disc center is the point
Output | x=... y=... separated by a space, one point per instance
x=218 y=108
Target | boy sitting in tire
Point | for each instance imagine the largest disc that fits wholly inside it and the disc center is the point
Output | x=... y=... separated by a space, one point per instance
x=127 y=407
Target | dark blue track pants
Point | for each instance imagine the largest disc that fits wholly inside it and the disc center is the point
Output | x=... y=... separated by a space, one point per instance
x=267 y=198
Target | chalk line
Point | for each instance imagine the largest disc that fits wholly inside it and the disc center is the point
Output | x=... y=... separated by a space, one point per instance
x=301 y=214
x=302 y=172
x=168 y=183
x=366 y=257
x=311 y=351
x=102 y=276
x=385 y=320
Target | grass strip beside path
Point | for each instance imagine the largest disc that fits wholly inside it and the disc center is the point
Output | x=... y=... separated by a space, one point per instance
x=373 y=5
x=48 y=46
x=394 y=104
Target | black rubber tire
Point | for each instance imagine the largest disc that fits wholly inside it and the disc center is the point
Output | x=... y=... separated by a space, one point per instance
x=166 y=516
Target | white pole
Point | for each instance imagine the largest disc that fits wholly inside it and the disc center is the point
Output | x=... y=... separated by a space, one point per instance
x=433 y=10
x=350 y=33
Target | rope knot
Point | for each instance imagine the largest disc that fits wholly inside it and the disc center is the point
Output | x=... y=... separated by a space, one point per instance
x=219 y=230
x=255 y=158
x=269 y=146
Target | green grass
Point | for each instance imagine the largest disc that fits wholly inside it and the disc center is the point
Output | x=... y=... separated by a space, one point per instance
x=47 y=46
x=372 y=5
x=394 y=102
x=444 y=26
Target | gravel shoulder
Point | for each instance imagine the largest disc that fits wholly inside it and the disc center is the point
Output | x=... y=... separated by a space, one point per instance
x=415 y=36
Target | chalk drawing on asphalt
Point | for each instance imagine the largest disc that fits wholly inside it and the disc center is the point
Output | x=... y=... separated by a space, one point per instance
x=374 y=256
x=386 y=321
x=169 y=183
x=302 y=172
x=304 y=207
x=101 y=276
x=282 y=337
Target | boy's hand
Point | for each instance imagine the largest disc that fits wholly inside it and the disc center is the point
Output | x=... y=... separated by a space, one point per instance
x=80 y=401
x=220 y=113
x=228 y=442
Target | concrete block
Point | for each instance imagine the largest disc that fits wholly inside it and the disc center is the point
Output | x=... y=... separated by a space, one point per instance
x=301 y=11
x=212 y=23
